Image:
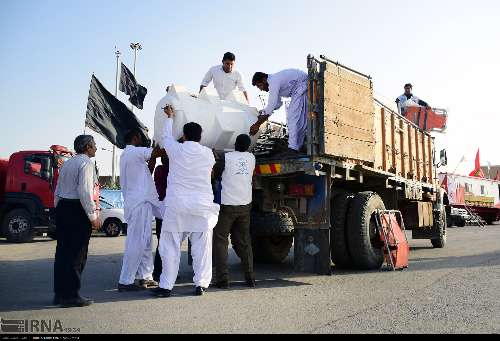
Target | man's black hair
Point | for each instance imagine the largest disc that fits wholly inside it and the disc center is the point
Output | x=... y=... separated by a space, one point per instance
x=129 y=136
x=242 y=143
x=229 y=56
x=259 y=77
x=82 y=142
x=192 y=132
x=409 y=86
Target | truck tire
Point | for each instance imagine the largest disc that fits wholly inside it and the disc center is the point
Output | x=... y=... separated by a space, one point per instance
x=112 y=227
x=363 y=239
x=489 y=220
x=271 y=249
x=460 y=222
x=278 y=223
x=440 y=242
x=449 y=221
x=338 y=239
x=52 y=234
x=18 y=226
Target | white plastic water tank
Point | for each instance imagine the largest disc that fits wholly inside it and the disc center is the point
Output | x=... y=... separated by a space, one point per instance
x=221 y=120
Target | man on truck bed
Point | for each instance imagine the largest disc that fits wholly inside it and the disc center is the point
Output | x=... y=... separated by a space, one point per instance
x=225 y=78
x=402 y=100
x=287 y=83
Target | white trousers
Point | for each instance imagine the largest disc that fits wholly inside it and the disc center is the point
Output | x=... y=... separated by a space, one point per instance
x=201 y=251
x=138 y=256
x=296 y=117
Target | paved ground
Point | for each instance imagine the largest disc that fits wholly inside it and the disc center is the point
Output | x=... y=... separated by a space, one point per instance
x=455 y=290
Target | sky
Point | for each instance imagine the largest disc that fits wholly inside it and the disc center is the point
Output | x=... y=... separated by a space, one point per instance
x=449 y=51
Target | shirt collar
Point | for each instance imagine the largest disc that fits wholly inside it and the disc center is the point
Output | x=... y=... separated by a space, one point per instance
x=83 y=156
x=226 y=73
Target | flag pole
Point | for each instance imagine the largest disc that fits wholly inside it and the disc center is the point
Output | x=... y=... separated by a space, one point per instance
x=459 y=163
x=135 y=47
x=113 y=171
x=85 y=124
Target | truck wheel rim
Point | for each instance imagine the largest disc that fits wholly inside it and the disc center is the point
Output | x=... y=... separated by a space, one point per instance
x=113 y=228
x=18 y=225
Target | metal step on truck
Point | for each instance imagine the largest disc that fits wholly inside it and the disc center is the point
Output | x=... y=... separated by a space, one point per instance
x=361 y=157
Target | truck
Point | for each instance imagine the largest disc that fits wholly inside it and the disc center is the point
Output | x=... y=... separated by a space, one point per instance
x=473 y=196
x=27 y=183
x=360 y=157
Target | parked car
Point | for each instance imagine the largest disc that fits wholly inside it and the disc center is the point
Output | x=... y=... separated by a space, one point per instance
x=113 y=218
x=458 y=217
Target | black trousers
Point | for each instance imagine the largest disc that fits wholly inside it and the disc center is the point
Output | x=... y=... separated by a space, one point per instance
x=157 y=264
x=73 y=229
x=233 y=221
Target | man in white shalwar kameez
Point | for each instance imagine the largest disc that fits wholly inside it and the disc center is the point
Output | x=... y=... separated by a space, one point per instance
x=289 y=83
x=190 y=210
x=140 y=204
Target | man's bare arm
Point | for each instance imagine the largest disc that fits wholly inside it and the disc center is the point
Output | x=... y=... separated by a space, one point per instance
x=254 y=129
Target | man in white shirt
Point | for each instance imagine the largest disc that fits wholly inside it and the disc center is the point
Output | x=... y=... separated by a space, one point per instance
x=287 y=83
x=234 y=219
x=76 y=216
x=408 y=98
x=140 y=204
x=225 y=78
x=190 y=210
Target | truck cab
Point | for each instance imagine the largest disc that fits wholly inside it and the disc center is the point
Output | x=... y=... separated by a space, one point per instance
x=29 y=180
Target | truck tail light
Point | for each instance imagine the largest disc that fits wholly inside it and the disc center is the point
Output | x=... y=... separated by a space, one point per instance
x=300 y=190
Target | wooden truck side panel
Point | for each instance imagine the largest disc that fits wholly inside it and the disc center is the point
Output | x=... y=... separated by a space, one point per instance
x=359 y=129
x=348 y=114
x=401 y=148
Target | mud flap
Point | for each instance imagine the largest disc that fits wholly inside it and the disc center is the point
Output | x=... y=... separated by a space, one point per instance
x=429 y=232
x=312 y=242
x=312 y=250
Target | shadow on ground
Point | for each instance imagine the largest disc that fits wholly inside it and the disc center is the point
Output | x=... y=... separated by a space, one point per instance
x=27 y=284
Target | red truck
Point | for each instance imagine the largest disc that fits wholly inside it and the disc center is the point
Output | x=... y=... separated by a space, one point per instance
x=27 y=183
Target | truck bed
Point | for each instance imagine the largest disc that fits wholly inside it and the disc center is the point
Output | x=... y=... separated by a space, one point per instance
x=350 y=129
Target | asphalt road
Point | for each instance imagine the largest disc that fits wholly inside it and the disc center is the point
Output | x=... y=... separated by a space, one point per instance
x=451 y=290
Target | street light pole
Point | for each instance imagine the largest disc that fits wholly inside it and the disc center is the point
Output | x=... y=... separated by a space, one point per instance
x=135 y=47
x=113 y=171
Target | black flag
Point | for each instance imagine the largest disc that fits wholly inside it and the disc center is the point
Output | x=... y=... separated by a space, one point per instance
x=111 y=118
x=129 y=85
